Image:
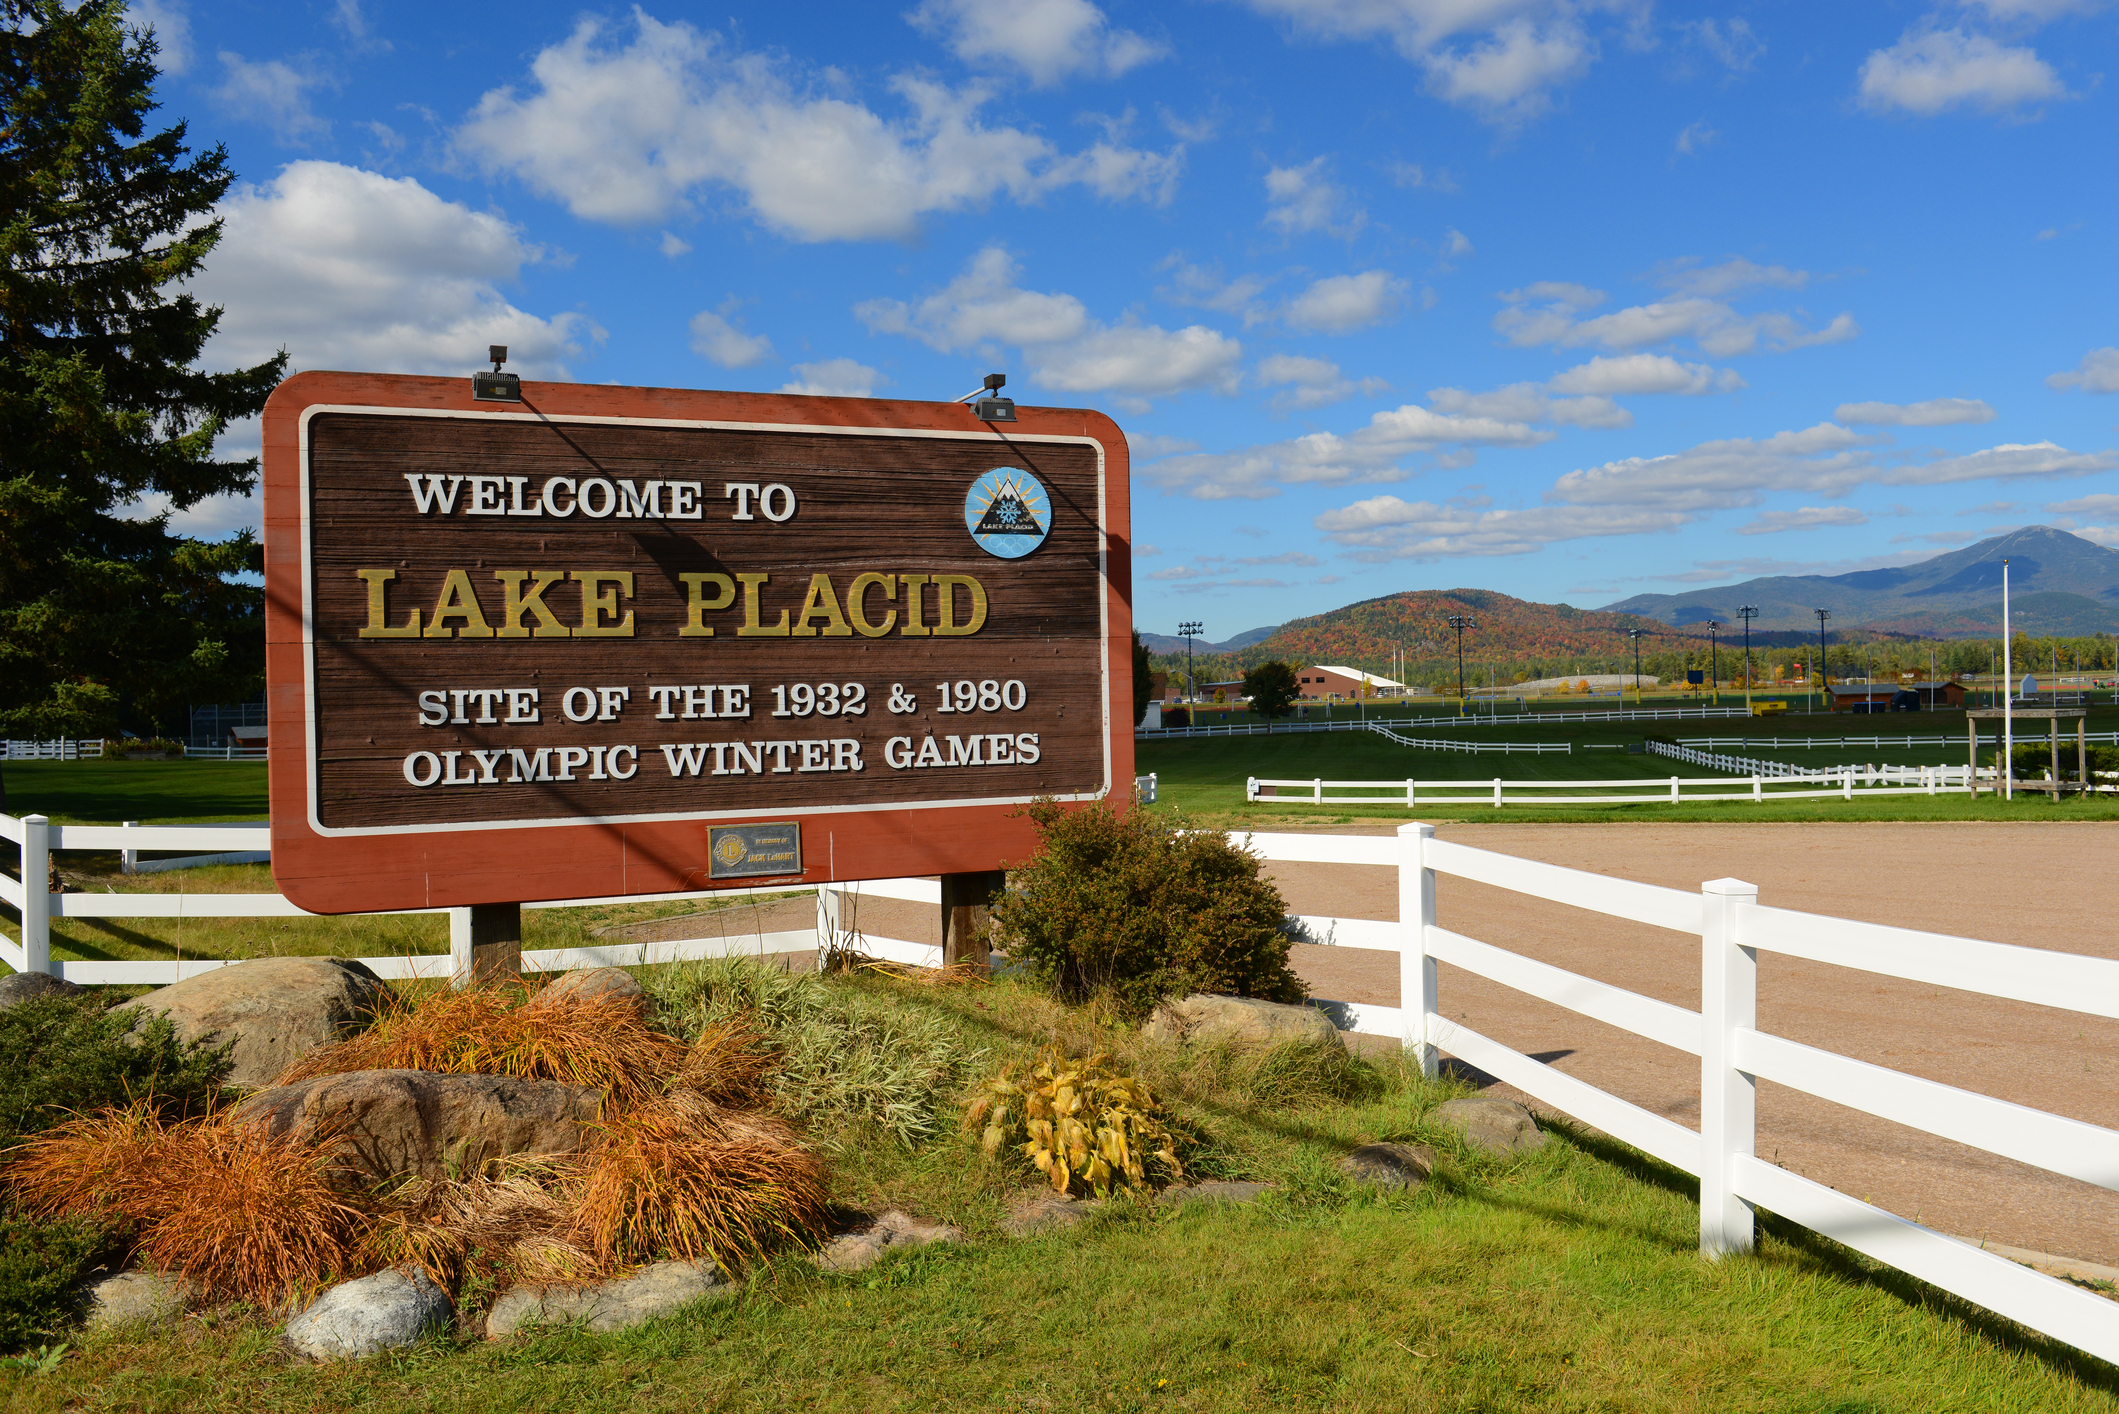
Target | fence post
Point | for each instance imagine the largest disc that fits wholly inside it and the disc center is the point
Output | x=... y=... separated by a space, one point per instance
x=1758 y=789
x=1411 y=795
x=1250 y=788
x=36 y=894
x=1416 y=914
x=1673 y=790
x=460 y=947
x=1846 y=781
x=1728 y=1096
x=129 y=859
x=1497 y=792
x=1317 y=791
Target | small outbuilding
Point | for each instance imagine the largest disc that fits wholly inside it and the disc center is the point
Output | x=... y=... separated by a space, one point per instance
x=1322 y=683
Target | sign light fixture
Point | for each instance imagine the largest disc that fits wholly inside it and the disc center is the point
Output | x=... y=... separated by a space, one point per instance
x=496 y=387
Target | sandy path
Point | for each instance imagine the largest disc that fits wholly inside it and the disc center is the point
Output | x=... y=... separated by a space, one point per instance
x=2037 y=885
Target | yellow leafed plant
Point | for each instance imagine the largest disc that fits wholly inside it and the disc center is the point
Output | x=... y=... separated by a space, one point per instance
x=1084 y=1126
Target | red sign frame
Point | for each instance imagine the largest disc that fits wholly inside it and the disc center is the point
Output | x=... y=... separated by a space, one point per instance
x=337 y=871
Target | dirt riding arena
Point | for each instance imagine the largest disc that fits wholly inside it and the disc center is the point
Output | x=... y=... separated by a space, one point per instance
x=2038 y=885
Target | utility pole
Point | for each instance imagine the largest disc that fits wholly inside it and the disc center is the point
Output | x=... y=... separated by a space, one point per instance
x=1189 y=631
x=1714 y=673
x=1637 y=634
x=1747 y=614
x=1824 y=683
x=1461 y=622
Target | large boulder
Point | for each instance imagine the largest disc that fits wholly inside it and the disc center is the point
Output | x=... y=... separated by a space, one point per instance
x=139 y=1298
x=1389 y=1165
x=1491 y=1125
x=21 y=986
x=387 y=1124
x=589 y=984
x=853 y=1251
x=609 y=1305
x=1208 y=1016
x=358 y=1318
x=275 y=1009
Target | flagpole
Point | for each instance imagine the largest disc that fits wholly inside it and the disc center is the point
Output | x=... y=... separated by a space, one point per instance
x=2008 y=694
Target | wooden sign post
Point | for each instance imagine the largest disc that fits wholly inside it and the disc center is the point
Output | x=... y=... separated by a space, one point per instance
x=628 y=640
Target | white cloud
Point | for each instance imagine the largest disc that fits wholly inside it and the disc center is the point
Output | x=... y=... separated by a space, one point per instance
x=2097 y=373
x=1065 y=348
x=1289 y=557
x=172 y=27
x=1412 y=174
x=1731 y=41
x=2008 y=459
x=1531 y=318
x=1807 y=518
x=1047 y=40
x=2035 y=11
x=1340 y=304
x=272 y=93
x=713 y=337
x=1206 y=289
x=981 y=306
x=1695 y=137
x=2100 y=505
x=1500 y=58
x=835 y=378
x=1731 y=277
x=1936 y=412
x=1303 y=199
x=1733 y=471
x=1390 y=528
x=1645 y=373
x=349 y=19
x=1509 y=75
x=631 y=134
x=1146 y=552
x=1139 y=361
x=1929 y=71
x=1377 y=452
x=1311 y=382
x=1527 y=402
x=1155 y=444
x=674 y=246
x=351 y=269
x=1456 y=243
x=1176 y=572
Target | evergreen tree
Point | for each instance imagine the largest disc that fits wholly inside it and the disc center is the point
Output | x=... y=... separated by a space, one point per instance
x=103 y=609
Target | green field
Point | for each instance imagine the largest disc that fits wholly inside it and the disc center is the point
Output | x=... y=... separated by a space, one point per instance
x=151 y=792
x=1204 y=776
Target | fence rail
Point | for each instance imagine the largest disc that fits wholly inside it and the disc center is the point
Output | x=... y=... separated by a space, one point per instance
x=1848 y=743
x=1847 y=782
x=1508 y=719
x=1732 y=926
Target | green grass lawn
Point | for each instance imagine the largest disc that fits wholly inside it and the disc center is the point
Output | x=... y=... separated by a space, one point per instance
x=1567 y=1279
x=1204 y=776
x=151 y=792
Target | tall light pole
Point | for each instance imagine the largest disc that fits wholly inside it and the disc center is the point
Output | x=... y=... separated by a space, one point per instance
x=1714 y=673
x=1637 y=634
x=1824 y=683
x=1747 y=614
x=1189 y=631
x=1461 y=622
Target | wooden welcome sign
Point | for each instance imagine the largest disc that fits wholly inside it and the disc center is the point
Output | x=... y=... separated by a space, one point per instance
x=634 y=640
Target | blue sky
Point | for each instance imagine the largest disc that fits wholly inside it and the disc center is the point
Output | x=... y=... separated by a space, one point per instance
x=1569 y=300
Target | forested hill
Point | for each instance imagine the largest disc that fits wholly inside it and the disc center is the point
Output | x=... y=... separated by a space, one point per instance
x=1416 y=623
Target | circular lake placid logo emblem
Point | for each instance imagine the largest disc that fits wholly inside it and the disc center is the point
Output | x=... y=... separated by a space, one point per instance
x=731 y=850
x=1008 y=512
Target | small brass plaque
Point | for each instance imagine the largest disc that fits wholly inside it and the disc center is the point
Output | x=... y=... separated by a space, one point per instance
x=753 y=851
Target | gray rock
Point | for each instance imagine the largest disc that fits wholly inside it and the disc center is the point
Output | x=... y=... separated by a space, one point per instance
x=359 y=1318
x=1389 y=1165
x=1206 y=1016
x=1216 y=1192
x=275 y=1009
x=589 y=984
x=852 y=1251
x=610 y=1305
x=387 y=1124
x=1491 y=1125
x=139 y=1298
x=21 y=986
x=1045 y=1212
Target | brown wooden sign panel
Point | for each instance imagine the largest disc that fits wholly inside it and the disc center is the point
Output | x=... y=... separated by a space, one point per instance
x=533 y=651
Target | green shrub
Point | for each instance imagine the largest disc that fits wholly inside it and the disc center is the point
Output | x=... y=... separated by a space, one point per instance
x=41 y=1266
x=1136 y=908
x=848 y=1055
x=61 y=1055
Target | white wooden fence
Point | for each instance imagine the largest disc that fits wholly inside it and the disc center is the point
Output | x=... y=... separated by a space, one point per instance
x=1847 y=782
x=1508 y=719
x=55 y=750
x=1733 y=928
x=1726 y=915
x=1848 y=743
x=1892 y=779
